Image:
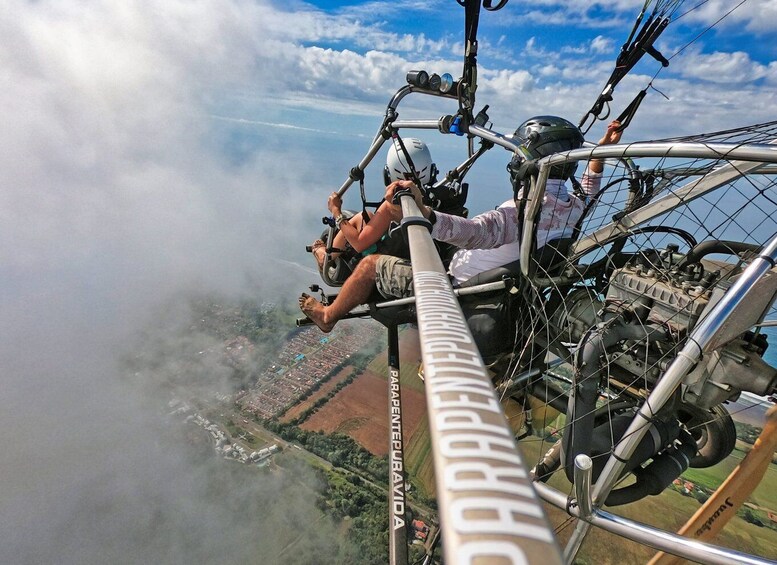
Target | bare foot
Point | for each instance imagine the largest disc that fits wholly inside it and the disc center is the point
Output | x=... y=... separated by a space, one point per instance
x=314 y=310
x=319 y=252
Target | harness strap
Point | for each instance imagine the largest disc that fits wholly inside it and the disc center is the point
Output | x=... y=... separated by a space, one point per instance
x=410 y=164
x=630 y=110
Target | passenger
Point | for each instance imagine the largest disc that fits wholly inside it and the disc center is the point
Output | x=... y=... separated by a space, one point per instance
x=540 y=136
x=365 y=238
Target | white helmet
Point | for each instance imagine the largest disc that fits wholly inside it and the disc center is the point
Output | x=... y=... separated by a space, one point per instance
x=396 y=163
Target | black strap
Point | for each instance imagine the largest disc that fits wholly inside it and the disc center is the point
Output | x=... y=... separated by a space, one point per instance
x=365 y=214
x=628 y=113
x=577 y=189
x=410 y=164
x=521 y=179
x=638 y=43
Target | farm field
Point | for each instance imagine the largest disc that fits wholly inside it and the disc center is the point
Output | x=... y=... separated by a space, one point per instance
x=298 y=409
x=360 y=411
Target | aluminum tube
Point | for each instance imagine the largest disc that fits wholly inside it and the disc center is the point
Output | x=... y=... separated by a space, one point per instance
x=373 y=150
x=468 y=291
x=651 y=536
x=488 y=507
x=397 y=98
x=494 y=137
x=533 y=203
x=409 y=88
x=400 y=95
x=583 y=472
x=417 y=124
x=674 y=544
x=759 y=152
x=710 y=325
x=397 y=516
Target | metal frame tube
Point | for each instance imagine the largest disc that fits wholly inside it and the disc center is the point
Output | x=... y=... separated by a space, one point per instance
x=651 y=536
x=416 y=124
x=371 y=152
x=397 y=521
x=494 y=137
x=467 y=291
x=583 y=472
x=488 y=505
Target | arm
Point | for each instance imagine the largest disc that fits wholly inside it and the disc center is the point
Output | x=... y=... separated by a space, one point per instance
x=370 y=233
x=484 y=231
x=592 y=177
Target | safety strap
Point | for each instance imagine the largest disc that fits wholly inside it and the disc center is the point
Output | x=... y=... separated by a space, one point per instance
x=405 y=152
x=358 y=174
x=637 y=44
x=628 y=113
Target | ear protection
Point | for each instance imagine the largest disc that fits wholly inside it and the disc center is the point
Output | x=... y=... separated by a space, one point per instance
x=434 y=171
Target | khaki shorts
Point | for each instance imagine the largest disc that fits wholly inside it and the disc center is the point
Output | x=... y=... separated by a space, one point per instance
x=393 y=277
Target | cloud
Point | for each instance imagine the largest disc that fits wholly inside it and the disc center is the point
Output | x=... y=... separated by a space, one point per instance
x=600 y=44
x=725 y=68
x=508 y=84
x=116 y=196
x=754 y=16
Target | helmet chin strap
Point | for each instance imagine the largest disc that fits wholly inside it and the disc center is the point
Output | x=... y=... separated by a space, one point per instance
x=415 y=178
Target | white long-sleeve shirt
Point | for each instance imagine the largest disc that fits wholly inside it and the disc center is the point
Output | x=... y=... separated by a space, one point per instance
x=482 y=237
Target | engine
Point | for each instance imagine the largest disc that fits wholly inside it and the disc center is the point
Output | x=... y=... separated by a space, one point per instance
x=666 y=294
x=631 y=334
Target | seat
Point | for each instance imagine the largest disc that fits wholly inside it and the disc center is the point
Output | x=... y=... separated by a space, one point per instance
x=493 y=316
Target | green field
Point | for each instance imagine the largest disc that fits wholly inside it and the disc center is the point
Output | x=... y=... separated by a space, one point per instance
x=408 y=368
x=668 y=511
x=766 y=493
x=418 y=460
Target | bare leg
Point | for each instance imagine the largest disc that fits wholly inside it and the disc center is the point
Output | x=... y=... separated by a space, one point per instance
x=319 y=247
x=356 y=290
x=319 y=251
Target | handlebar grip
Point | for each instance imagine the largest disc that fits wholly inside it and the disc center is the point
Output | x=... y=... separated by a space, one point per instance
x=399 y=193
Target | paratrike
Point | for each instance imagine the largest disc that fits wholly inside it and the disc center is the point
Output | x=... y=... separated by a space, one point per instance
x=625 y=343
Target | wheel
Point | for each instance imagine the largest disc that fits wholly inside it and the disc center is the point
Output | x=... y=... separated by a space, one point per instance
x=713 y=430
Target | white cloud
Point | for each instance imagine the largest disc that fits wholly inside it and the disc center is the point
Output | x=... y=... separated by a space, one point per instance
x=507 y=83
x=755 y=16
x=725 y=68
x=115 y=195
x=601 y=44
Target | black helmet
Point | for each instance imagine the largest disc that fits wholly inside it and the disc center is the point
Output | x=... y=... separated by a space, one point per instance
x=541 y=136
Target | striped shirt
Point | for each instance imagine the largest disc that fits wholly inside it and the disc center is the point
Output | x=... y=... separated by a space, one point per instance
x=559 y=213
